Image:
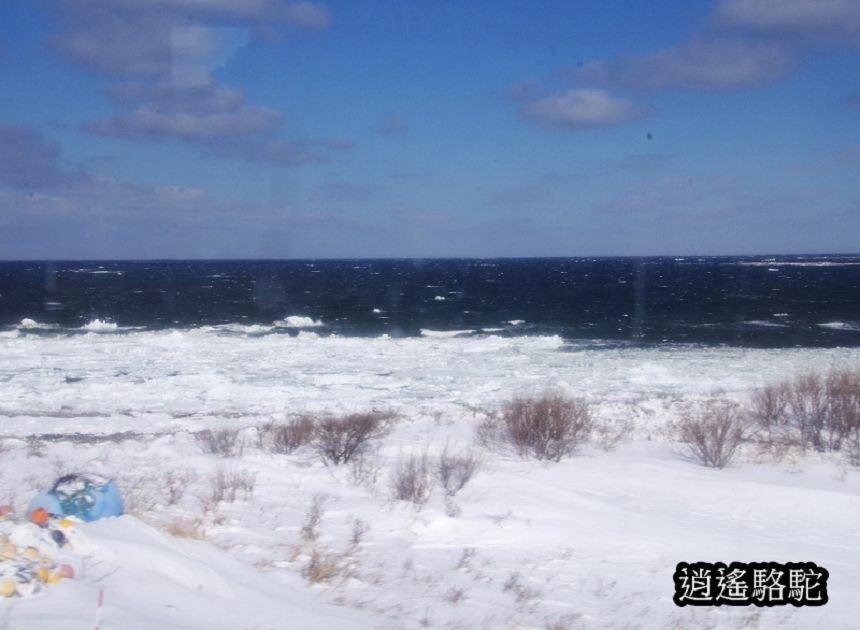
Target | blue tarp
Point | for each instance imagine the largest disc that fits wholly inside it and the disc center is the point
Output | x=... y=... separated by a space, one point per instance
x=86 y=496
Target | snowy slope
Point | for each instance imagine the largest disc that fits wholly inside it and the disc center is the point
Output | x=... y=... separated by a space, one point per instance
x=151 y=580
x=590 y=542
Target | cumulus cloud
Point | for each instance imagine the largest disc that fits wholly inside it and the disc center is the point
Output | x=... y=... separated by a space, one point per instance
x=160 y=56
x=34 y=179
x=581 y=109
x=28 y=161
x=277 y=152
x=746 y=43
x=205 y=128
x=153 y=37
x=700 y=63
x=830 y=21
x=307 y=15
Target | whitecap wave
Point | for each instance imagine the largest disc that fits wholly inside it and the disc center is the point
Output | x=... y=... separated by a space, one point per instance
x=763 y=323
x=100 y=325
x=32 y=324
x=444 y=334
x=819 y=263
x=299 y=321
x=840 y=325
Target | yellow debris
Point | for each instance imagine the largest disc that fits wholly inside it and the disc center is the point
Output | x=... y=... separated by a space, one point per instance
x=9 y=551
x=32 y=553
x=43 y=574
x=53 y=578
x=8 y=588
x=67 y=523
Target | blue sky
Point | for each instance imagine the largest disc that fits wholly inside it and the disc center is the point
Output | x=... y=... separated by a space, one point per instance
x=282 y=129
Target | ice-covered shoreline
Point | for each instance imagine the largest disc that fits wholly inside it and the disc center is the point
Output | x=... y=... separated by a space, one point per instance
x=590 y=542
x=171 y=379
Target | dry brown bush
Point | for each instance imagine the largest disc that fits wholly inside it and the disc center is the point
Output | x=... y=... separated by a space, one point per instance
x=310 y=528
x=225 y=485
x=223 y=442
x=187 y=528
x=820 y=411
x=548 y=426
x=711 y=431
x=411 y=480
x=284 y=439
x=454 y=470
x=338 y=439
x=323 y=567
x=176 y=483
x=607 y=434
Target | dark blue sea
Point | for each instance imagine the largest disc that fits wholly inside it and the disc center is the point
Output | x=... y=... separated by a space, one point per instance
x=782 y=301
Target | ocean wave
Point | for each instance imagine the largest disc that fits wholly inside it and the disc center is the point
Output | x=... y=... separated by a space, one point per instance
x=252 y=330
x=763 y=323
x=299 y=321
x=100 y=326
x=840 y=325
x=444 y=334
x=820 y=263
x=32 y=324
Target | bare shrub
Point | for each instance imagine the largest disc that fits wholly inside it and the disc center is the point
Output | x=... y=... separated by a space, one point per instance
x=187 y=528
x=322 y=566
x=564 y=622
x=359 y=529
x=223 y=442
x=338 y=439
x=711 y=431
x=365 y=467
x=817 y=411
x=411 y=480
x=454 y=595
x=548 y=426
x=138 y=495
x=454 y=470
x=176 y=483
x=522 y=592
x=284 y=439
x=310 y=527
x=466 y=557
x=452 y=510
x=226 y=485
x=607 y=434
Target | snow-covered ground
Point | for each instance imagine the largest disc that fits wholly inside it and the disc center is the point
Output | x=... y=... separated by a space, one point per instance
x=590 y=542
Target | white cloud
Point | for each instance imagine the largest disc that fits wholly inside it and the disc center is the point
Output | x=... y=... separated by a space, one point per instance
x=581 y=109
x=708 y=63
x=162 y=55
x=830 y=21
x=314 y=17
x=149 y=123
x=34 y=180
